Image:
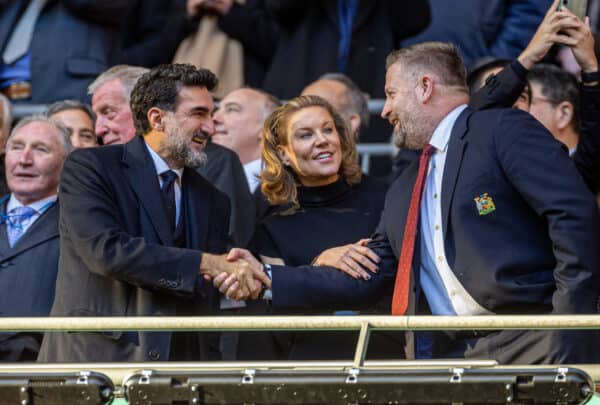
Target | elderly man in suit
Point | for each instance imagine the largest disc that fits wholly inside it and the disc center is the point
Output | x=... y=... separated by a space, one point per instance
x=35 y=154
x=140 y=228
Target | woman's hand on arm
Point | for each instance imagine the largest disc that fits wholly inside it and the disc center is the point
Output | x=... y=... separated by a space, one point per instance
x=355 y=259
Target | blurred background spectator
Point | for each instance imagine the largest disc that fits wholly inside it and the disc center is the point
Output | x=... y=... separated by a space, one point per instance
x=153 y=31
x=5 y=125
x=347 y=36
x=52 y=50
x=231 y=38
x=498 y=28
x=78 y=118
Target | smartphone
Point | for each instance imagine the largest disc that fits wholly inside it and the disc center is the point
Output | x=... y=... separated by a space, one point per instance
x=577 y=7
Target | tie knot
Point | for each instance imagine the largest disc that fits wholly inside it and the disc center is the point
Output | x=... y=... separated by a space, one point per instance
x=428 y=150
x=168 y=177
x=20 y=214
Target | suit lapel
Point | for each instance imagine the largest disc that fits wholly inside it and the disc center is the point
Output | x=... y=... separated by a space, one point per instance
x=4 y=246
x=10 y=12
x=456 y=150
x=196 y=210
x=141 y=175
x=44 y=228
x=362 y=14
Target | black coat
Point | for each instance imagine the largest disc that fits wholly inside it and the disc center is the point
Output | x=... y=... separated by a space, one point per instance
x=117 y=257
x=73 y=42
x=308 y=45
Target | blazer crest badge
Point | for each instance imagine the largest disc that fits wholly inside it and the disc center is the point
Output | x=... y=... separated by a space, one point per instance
x=485 y=204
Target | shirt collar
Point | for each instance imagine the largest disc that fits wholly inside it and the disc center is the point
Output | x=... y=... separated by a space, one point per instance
x=441 y=135
x=37 y=206
x=160 y=165
x=254 y=166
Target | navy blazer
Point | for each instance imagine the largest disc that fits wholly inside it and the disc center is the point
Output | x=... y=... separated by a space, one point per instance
x=117 y=257
x=26 y=282
x=536 y=252
x=73 y=42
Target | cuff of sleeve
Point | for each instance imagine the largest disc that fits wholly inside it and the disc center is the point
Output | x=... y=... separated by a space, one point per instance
x=519 y=69
x=267 y=293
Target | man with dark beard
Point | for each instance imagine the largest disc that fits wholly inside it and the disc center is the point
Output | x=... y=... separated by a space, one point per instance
x=140 y=229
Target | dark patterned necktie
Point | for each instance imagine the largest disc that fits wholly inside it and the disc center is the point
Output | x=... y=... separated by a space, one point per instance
x=168 y=193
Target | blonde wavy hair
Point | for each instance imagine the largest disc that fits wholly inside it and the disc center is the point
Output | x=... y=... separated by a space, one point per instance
x=280 y=182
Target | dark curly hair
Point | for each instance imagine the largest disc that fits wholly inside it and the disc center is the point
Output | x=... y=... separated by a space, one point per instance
x=160 y=87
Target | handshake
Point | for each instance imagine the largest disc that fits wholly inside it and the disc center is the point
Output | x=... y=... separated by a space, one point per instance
x=237 y=274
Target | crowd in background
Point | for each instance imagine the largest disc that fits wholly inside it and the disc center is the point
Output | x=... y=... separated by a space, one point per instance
x=207 y=125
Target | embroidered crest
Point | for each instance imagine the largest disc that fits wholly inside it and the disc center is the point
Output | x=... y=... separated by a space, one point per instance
x=485 y=204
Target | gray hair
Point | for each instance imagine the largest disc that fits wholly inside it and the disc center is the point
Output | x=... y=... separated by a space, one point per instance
x=271 y=103
x=128 y=76
x=60 y=127
x=356 y=102
x=6 y=114
x=67 y=105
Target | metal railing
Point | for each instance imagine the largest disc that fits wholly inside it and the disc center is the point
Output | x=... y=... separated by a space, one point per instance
x=121 y=374
x=363 y=324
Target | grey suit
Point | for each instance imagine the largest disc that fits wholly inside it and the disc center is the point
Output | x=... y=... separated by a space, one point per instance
x=27 y=280
x=118 y=255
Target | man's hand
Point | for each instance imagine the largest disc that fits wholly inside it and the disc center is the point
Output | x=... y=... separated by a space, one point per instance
x=241 y=272
x=250 y=284
x=552 y=30
x=353 y=259
x=584 y=46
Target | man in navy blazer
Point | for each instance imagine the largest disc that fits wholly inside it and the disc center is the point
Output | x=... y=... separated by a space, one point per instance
x=140 y=228
x=35 y=153
x=506 y=226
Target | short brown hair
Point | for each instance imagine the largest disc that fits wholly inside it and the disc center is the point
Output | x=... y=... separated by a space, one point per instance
x=279 y=182
x=440 y=58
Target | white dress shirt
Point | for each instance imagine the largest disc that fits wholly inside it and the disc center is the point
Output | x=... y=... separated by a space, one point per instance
x=445 y=294
x=39 y=207
x=161 y=166
x=252 y=170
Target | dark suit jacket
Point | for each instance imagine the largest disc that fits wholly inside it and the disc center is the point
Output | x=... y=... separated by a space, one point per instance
x=224 y=170
x=499 y=28
x=153 y=32
x=378 y=27
x=117 y=257
x=535 y=253
x=73 y=42
x=27 y=279
x=503 y=89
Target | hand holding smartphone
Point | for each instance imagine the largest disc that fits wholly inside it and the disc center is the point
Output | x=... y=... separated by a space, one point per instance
x=577 y=7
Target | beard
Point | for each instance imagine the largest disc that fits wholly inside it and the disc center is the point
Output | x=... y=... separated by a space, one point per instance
x=411 y=132
x=177 y=147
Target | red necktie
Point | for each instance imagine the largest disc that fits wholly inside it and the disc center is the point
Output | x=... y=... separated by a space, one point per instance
x=402 y=284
